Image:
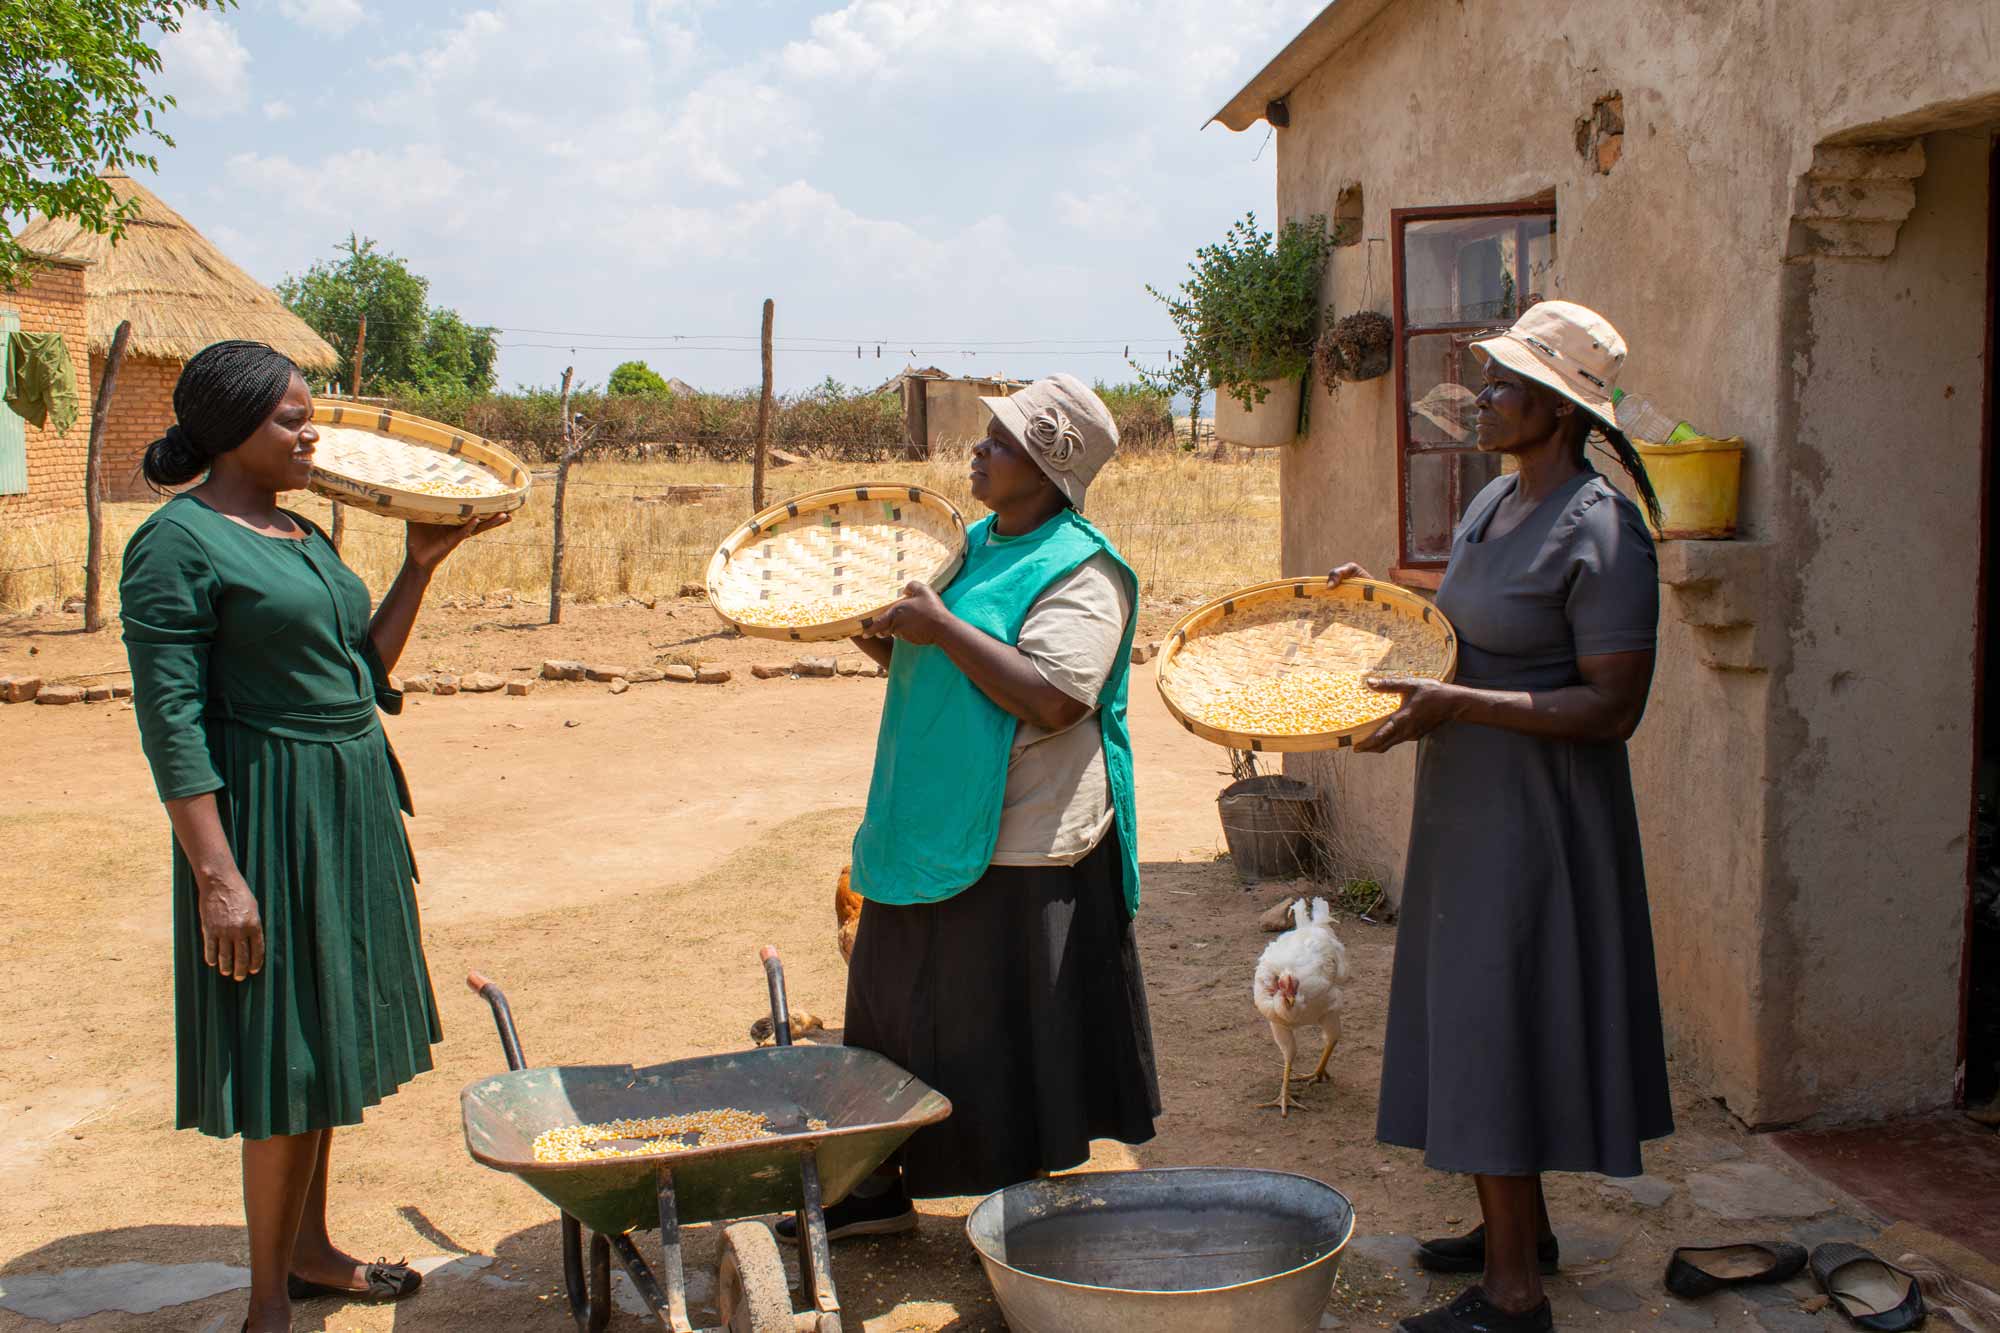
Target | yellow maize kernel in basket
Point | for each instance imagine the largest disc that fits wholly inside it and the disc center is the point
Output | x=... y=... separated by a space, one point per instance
x=457 y=489
x=807 y=611
x=653 y=1134
x=1300 y=703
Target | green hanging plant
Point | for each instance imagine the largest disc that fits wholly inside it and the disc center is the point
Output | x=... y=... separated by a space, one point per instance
x=1249 y=312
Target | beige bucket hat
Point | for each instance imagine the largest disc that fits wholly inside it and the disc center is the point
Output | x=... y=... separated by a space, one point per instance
x=1064 y=426
x=1567 y=347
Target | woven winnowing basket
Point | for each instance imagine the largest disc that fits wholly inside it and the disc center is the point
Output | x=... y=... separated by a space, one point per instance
x=833 y=560
x=1264 y=632
x=406 y=467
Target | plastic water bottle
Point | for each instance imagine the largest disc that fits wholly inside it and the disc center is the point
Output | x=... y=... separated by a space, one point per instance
x=1641 y=419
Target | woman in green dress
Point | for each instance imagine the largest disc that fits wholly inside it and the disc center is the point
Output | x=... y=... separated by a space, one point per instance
x=300 y=990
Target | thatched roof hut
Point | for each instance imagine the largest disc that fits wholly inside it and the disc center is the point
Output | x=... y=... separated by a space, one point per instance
x=181 y=294
x=179 y=291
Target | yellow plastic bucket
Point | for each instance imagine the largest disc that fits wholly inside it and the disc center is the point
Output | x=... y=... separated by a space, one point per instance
x=1697 y=481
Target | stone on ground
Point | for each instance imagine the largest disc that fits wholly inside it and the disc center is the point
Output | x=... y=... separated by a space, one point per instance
x=1742 y=1191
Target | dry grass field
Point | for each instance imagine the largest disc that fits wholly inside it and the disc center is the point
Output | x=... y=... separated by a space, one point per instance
x=1190 y=526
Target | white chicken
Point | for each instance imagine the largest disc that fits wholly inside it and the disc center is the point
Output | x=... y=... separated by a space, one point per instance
x=1297 y=986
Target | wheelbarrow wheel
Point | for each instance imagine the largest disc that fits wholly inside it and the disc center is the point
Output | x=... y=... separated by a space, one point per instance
x=752 y=1294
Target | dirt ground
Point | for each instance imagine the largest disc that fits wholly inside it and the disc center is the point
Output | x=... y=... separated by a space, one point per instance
x=615 y=861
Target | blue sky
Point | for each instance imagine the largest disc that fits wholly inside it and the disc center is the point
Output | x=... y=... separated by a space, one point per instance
x=988 y=185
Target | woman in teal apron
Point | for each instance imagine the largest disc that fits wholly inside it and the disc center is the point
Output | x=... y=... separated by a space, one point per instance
x=301 y=996
x=999 y=854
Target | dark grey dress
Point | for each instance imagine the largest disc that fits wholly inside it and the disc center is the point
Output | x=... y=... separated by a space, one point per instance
x=1524 y=1015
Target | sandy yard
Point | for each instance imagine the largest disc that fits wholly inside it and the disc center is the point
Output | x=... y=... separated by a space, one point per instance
x=614 y=861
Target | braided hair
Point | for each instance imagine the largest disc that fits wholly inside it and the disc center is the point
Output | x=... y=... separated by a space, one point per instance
x=1628 y=458
x=225 y=392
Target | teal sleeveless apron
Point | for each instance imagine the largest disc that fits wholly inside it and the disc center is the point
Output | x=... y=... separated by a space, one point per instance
x=941 y=755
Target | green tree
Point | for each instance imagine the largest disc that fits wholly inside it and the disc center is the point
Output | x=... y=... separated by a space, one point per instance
x=636 y=379
x=73 y=101
x=410 y=343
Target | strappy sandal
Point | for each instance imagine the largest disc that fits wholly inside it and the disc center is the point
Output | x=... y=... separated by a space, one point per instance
x=1870 y=1291
x=1702 y=1270
x=386 y=1282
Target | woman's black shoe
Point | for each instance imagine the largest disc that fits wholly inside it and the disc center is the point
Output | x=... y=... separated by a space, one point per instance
x=1702 y=1270
x=1871 y=1293
x=386 y=1282
x=1467 y=1253
x=886 y=1214
x=1473 y=1313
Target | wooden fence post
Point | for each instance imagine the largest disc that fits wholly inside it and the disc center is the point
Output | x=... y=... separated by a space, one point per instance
x=566 y=455
x=763 y=419
x=93 y=483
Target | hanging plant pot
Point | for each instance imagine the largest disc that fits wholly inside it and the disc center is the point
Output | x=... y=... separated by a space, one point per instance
x=1271 y=423
x=1356 y=347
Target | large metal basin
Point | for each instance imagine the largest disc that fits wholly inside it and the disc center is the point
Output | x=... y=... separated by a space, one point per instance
x=1200 y=1248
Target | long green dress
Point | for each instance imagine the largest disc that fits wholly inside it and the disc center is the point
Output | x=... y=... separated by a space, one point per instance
x=254 y=678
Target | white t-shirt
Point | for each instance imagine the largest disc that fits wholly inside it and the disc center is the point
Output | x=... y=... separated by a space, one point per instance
x=1058 y=802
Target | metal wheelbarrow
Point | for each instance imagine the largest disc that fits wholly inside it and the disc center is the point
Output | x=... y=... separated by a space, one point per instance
x=869 y=1107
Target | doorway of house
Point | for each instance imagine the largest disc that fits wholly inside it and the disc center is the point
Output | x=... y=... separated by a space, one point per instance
x=1981 y=1026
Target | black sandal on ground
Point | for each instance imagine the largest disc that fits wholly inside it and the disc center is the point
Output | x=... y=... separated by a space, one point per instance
x=386 y=1282
x=1472 y=1312
x=886 y=1214
x=1467 y=1253
x=1695 y=1271
x=1870 y=1291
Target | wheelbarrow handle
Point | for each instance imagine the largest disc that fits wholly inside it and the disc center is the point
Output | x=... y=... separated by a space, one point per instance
x=503 y=1018
x=774 y=977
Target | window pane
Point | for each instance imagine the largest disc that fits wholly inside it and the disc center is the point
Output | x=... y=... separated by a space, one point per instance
x=1463 y=270
x=1442 y=373
x=1437 y=489
x=1427 y=496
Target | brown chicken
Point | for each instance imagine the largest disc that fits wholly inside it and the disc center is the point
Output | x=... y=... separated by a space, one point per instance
x=846 y=915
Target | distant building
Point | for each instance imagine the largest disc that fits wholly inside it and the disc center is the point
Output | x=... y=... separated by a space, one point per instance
x=181 y=294
x=941 y=410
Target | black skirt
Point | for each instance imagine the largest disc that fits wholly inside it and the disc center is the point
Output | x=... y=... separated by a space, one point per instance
x=1021 y=1000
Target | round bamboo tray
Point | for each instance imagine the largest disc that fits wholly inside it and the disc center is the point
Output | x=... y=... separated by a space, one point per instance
x=1260 y=635
x=821 y=567
x=401 y=466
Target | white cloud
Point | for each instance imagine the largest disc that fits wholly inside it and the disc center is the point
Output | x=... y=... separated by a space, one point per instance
x=1107 y=214
x=278 y=110
x=206 y=66
x=378 y=194
x=333 y=17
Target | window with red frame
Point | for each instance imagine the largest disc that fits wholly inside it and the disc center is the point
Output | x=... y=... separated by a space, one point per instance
x=1461 y=274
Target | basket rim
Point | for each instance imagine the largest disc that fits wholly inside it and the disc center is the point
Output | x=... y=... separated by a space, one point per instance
x=831 y=631
x=413 y=431
x=1307 y=586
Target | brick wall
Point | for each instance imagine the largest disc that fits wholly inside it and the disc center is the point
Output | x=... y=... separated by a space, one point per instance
x=142 y=407
x=53 y=303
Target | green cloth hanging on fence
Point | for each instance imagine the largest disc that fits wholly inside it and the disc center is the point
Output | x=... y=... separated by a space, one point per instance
x=41 y=380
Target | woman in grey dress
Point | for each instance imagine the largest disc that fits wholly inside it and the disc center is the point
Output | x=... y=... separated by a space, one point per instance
x=1524 y=1014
